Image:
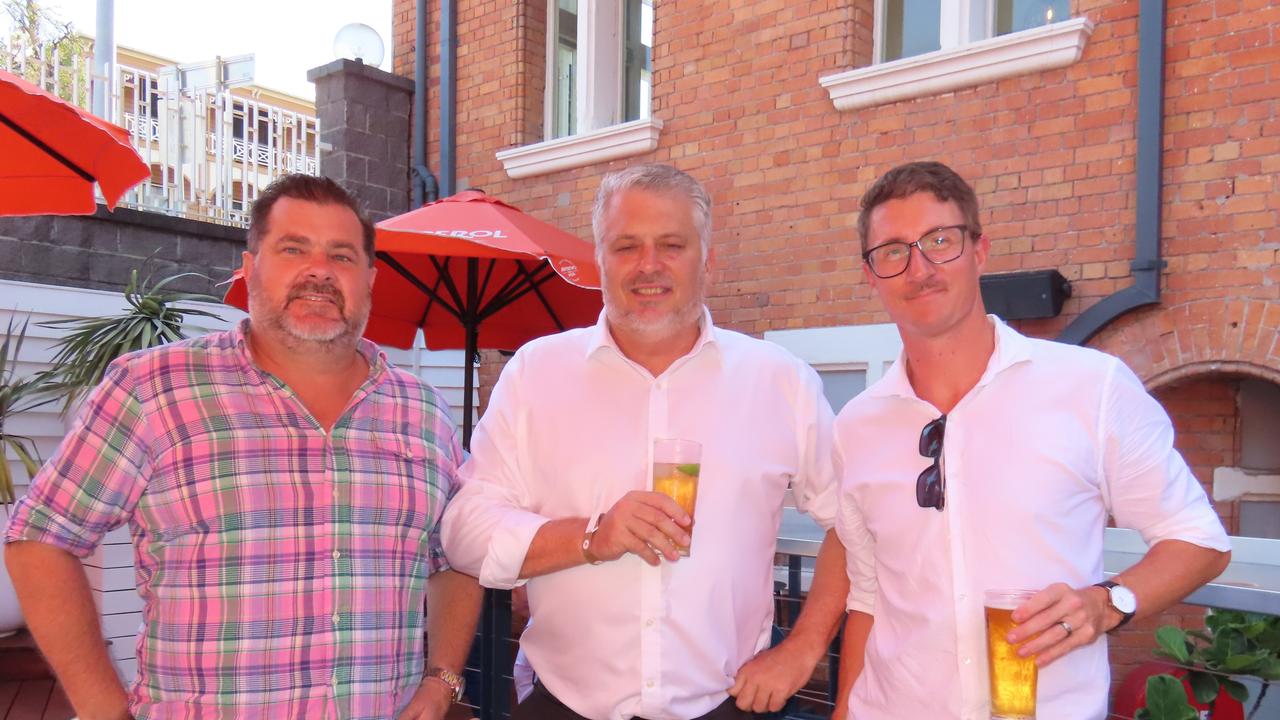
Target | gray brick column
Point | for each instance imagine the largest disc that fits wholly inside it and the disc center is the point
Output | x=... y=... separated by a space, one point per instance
x=364 y=133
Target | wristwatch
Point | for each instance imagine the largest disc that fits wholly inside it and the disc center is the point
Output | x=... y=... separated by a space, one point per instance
x=455 y=681
x=590 y=535
x=1121 y=599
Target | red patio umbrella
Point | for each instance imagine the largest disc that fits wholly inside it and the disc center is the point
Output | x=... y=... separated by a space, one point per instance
x=472 y=271
x=52 y=153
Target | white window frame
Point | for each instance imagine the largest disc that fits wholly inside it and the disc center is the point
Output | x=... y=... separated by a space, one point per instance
x=601 y=136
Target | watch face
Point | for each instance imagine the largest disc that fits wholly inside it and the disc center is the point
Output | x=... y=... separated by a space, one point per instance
x=1123 y=599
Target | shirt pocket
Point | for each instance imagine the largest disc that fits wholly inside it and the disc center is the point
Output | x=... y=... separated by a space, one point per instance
x=396 y=489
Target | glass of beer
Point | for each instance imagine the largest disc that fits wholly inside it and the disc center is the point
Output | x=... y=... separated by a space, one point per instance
x=1013 y=678
x=676 y=466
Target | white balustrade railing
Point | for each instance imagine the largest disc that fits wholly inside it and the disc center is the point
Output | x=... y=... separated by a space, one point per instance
x=210 y=151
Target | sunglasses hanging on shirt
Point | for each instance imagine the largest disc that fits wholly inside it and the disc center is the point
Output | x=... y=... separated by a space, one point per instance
x=931 y=486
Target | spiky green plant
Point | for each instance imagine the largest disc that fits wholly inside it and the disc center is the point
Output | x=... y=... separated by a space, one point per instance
x=16 y=395
x=153 y=318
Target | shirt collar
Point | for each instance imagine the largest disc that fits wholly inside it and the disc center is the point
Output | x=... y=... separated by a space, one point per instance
x=600 y=337
x=1011 y=348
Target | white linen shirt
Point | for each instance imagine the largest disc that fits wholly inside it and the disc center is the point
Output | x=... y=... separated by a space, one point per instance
x=569 y=430
x=1051 y=439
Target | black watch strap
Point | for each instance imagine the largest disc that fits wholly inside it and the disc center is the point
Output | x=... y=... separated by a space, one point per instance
x=1125 y=616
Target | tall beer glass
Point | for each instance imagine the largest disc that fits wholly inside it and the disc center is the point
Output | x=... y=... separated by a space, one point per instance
x=1013 y=678
x=676 y=466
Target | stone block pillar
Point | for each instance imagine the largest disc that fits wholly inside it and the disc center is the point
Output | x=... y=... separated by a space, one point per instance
x=364 y=133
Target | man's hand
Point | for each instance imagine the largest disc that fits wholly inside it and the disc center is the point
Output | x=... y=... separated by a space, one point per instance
x=768 y=680
x=1043 y=621
x=644 y=523
x=430 y=702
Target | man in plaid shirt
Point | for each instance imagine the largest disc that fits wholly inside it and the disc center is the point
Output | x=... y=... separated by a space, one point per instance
x=282 y=483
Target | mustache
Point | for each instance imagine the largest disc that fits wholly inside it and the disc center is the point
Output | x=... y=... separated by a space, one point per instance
x=314 y=288
x=654 y=278
x=917 y=289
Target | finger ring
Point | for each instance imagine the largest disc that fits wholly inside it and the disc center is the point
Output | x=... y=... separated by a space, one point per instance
x=1066 y=626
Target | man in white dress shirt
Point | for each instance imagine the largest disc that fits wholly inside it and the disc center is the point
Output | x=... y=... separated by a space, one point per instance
x=557 y=490
x=985 y=459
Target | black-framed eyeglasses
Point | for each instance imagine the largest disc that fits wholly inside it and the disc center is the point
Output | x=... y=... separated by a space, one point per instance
x=931 y=485
x=939 y=245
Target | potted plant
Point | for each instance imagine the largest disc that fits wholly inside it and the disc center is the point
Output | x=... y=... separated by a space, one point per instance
x=90 y=344
x=1204 y=683
x=17 y=394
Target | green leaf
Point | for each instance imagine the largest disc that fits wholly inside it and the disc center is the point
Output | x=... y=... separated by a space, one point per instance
x=1243 y=663
x=1204 y=686
x=1166 y=699
x=1235 y=689
x=1173 y=641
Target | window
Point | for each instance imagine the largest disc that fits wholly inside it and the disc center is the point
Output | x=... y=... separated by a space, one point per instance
x=915 y=27
x=596 y=108
x=599 y=64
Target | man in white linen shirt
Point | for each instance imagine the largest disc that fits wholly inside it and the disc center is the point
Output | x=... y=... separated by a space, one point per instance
x=1036 y=444
x=557 y=490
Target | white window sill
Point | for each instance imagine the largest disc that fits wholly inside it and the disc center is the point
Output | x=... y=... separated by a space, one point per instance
x=612 y=143
x=1043 y=48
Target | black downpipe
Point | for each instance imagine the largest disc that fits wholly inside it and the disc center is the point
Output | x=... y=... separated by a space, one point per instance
x=422 y=183
x=1147 y=262
x=448 y=97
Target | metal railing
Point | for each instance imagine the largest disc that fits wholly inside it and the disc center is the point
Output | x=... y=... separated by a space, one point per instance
x=210 y=150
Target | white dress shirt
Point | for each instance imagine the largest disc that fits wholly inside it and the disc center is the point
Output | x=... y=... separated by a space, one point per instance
x=1051 y=440
x=569 y=430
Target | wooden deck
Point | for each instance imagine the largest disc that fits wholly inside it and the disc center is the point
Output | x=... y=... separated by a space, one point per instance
x=27 y=688
x=33 y=700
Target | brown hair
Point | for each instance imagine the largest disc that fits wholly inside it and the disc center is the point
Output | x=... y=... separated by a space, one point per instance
x=924 y=176
x=311 y=188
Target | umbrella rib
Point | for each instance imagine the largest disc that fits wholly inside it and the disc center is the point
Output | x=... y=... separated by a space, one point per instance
x=46 y=148
x=532 y=284
x=442 y=271
x=417 y=282
x=510 y=290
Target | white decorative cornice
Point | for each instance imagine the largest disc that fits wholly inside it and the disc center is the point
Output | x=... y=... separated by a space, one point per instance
x=616 y=141
x=1043 y=48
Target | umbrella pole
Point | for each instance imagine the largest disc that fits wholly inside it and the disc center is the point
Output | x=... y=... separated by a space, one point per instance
x=471 y=320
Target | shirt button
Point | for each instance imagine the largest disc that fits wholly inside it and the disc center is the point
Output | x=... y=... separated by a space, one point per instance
x=649 y=622
x=648 y=683
x=967 y=660
x=335 y=493
x=336 y=554
x=336 y=618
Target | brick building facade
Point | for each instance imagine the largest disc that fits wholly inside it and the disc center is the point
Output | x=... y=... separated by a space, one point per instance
x=1050 y=145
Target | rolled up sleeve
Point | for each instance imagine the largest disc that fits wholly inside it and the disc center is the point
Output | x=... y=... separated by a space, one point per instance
x=859 y=547
x=93 y=482
x=1148 y=484
x=816 y=488
x=487 y=529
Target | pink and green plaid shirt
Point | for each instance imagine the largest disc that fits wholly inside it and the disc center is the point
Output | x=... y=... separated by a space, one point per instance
x=282 y=568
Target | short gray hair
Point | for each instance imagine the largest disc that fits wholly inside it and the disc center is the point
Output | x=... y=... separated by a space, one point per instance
x=653 y=177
